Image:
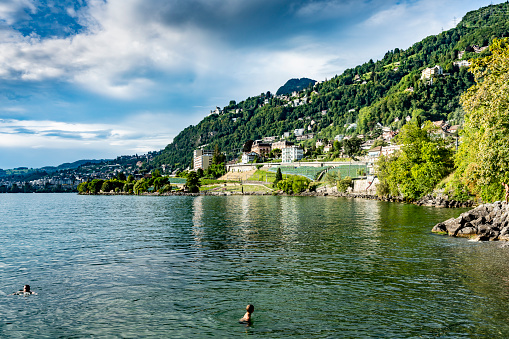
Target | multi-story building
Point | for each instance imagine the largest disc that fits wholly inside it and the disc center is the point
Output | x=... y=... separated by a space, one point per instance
x=291 y=154
x=260 y=147
x=202 y=159
x=281 y=144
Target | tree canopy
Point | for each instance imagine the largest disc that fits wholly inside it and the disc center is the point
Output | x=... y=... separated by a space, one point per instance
x=483 y=156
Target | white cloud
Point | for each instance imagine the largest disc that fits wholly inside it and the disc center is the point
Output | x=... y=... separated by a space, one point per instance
x=11 y=9
x=135 y=134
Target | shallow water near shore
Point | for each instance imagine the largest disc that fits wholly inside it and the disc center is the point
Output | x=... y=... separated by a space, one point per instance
x=185 y=267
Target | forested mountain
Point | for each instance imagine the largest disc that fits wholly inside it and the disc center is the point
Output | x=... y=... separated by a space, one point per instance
x=294 y=85
x=383 y=92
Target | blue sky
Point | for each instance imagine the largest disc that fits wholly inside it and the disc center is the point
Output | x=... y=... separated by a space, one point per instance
x=96 y=79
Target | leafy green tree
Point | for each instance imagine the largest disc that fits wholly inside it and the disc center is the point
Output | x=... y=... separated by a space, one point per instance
x=352 y=146
x=159 y=182
x=343 y=184
x=218 y=157
x=423 y=161
x=199 y=172
x=95 y=186
x=483 y=155
x=130 y=178
x=121 y=176
x=300 y=184
x=107 y=186
x=156 y=173
x=140 y=186
x=82 y=187
x=193 y=182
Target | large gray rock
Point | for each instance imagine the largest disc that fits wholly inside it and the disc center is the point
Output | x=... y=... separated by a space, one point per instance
x=486 y=222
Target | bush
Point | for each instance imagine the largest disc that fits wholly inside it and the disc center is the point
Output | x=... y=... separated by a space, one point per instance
x=343 y=184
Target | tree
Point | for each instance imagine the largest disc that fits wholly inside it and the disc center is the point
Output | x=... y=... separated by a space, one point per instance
x=218 y=157
x=279 y=177
x=193 y=182
x=199 y=172
x=82 y=187
x=352 y=146
x=156 y=173
x=95 y=186
x=106 y=186
x=423 y=161
x=483 y=155
x=121 y=176
x=247 y=146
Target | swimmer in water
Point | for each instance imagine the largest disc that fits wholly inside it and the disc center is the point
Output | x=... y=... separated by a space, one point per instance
x=24 y=291
x=247 y=317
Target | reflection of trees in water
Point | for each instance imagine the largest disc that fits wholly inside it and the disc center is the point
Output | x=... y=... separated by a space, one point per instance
x=197 y=228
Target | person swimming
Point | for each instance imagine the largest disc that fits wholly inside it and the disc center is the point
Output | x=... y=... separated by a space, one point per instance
x=25 y=291
x=247 y=317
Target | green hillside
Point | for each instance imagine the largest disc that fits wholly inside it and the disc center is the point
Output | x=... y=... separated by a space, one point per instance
x=385 y=92
x=294 y=85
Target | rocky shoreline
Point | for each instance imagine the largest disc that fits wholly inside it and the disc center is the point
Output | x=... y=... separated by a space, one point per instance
x=488 y=222
x=429 y=200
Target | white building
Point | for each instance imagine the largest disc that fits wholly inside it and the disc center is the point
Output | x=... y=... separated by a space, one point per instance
x=291 y=154
x=427 y=73
x=461 y=63
x=249 y=157
x=202 y=159
x=298 y=132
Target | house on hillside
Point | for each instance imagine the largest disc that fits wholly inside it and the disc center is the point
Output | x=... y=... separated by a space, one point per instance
x=375 y=152
x=260 y=147
x=298 y=132
x=248 y=157
x=453 y=129
x=461 y=63
x=429 y=72
x=281 y=144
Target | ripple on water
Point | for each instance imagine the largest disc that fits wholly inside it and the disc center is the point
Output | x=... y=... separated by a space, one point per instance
x=187 y=266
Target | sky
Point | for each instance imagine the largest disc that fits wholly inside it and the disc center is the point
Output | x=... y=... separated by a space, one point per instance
x=95 y=79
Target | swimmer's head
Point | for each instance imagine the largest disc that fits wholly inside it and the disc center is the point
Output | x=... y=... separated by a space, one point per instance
x=26 y=288
x=250 y=308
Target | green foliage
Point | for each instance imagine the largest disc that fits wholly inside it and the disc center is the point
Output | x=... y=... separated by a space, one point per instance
x=215 y=170
x=483 y=155
x=423 y=162
x=352 y=146
x=95 y=186
x=293 y=184
x=141 y=186
x=344 y=184
x=193 y=182
x=82 y=187
x=279 y=177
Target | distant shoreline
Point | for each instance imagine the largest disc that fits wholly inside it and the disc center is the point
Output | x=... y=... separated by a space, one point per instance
x=428 y=201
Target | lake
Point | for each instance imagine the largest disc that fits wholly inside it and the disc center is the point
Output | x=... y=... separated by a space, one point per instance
x=186 y=267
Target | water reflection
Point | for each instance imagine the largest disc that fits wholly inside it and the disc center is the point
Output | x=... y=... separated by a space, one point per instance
x=197 y=227
x=153 y=266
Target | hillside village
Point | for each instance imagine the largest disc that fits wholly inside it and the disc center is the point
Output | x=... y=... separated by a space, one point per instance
x=292 y=148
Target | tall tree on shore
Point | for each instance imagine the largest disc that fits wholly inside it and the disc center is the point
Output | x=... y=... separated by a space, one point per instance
x=483 y=155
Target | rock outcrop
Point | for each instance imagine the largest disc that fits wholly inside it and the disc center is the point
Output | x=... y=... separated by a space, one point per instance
x=486 y=222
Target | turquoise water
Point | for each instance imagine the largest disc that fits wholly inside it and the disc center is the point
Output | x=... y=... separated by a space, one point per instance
x=185 y=267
